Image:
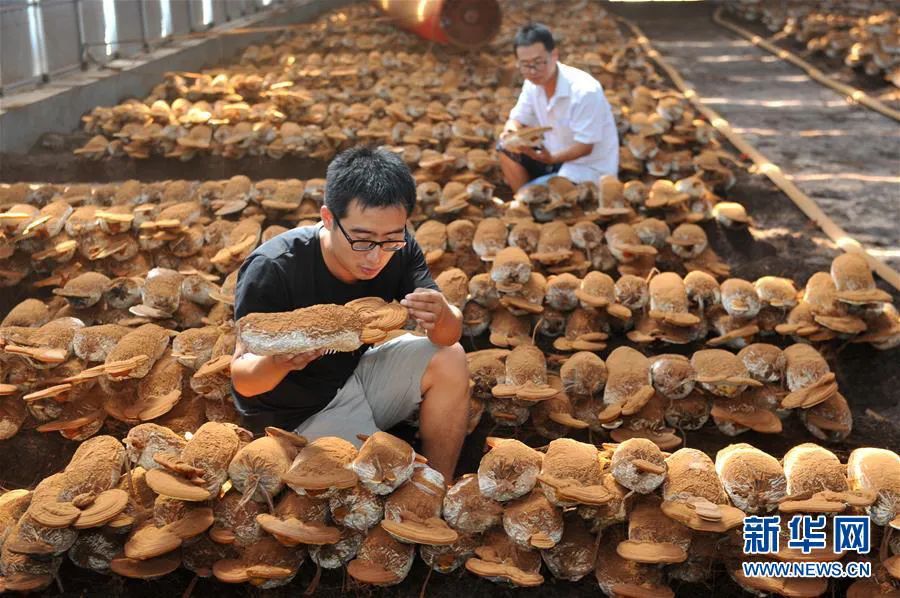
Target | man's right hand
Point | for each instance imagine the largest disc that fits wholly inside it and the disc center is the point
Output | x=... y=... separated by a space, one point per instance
x=297 y=361
x=504 y=137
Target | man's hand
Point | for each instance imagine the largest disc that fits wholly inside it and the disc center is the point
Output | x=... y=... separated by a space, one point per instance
x=540 y=155
x=297 y=361
x=427 y=306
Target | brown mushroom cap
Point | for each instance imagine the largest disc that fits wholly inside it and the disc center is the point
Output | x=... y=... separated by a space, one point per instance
x=808 y=377
x=323 y=464
x=668 y=300
x=583 y=373
x=381 y=560
x=597 y=289
x=721 y=372
x=169 y=484
x=694 y=495
x=776 y=291
x=384 y=462
x=261 y=562
x=854 y=282
x=653 y=538
x=688 y=234
x=572 y=473
x=150 y=542
x=754 y=480
x=554 y=244
x=877 y=470
x=763 y=361
x=639 y=465
x=433 y=531
x=623 y=577
x=498 y=558
x=104 y=508
x=509 y=470
x=628 y=385
x=145 y=569
x=672 y=375
x=292 y=531
x=753 y=409
x=87 y=285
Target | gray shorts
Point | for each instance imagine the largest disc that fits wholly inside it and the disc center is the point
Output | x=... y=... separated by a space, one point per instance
x=384 y=390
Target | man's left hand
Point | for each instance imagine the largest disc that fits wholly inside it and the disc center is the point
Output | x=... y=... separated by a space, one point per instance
x=427 y=306
x=540 y=154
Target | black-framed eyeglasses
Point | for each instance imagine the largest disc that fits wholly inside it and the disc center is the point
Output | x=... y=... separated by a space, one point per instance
x=367 y=245
x=532 y=65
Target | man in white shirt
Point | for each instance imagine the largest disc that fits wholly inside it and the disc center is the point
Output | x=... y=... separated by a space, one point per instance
x=583 y=144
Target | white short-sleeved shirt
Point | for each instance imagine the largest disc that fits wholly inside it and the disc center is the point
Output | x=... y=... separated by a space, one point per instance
x=579 y=113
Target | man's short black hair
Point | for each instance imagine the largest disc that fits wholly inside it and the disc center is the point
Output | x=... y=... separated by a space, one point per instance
x=377 y=178
x=534 y=33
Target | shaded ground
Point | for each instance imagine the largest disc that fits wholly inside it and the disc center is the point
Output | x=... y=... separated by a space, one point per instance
x=834 y=67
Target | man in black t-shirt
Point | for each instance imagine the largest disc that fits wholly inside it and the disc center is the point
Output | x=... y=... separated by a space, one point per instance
x=361 y=249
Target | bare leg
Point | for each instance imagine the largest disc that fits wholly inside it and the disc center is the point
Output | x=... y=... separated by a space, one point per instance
x=444 y=412
x=513 y=172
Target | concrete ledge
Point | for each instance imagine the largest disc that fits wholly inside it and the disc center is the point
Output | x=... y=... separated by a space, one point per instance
x=58 y=106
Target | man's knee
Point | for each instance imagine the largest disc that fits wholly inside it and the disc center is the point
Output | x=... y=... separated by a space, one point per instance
x=449 y=364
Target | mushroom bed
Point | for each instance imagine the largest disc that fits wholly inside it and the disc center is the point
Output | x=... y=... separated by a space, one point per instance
x=690 y=346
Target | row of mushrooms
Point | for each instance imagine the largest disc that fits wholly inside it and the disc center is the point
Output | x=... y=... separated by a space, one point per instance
x=661 y=398
x=441 y=110
x=87 y=243
x=253 y=511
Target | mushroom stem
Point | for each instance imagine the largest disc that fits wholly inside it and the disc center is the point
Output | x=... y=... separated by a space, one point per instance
x=268 y=496
x=314 y=584
x=425 y=583
x=249 y=491
x=190 y=588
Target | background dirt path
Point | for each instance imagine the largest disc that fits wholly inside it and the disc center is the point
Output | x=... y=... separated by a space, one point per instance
x=846 y=157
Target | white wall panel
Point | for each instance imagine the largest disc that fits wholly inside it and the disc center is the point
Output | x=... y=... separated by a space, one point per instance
x=60 y=19
x=128 y=25
x=18 y=60
x=181 y=22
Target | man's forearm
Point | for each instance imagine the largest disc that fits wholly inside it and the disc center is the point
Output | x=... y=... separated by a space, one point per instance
x=253 y=375
x=448 y=329
x=573 y=153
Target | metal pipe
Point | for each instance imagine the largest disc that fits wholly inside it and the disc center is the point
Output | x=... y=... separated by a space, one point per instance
x=142 y=14
x=79 y=28
x=467 y=24
x=190 y=11
x=41 y=41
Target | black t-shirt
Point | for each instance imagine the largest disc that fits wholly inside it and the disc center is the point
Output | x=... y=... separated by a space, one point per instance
x=288 y=272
